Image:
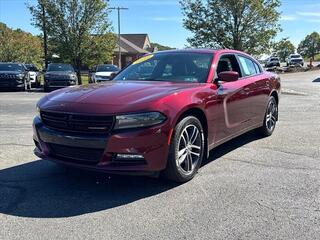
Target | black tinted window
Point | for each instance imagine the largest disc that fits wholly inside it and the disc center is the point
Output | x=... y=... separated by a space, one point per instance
x=11 y=67
x=107 y=68
x=60 y=67
x=31 y=67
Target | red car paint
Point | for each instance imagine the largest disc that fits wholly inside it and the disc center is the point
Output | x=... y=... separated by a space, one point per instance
x=229 y=108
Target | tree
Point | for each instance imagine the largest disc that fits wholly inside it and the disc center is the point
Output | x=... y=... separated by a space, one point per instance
x=160 y=47
x=247 y=25
x=19 y=46
x=310 y=46
x=284 y=48
x=76 y=29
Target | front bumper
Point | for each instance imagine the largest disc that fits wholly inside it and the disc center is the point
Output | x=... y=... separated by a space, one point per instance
x=96 y=152
x=58 y=83
x=273 y=64
x=11 y=84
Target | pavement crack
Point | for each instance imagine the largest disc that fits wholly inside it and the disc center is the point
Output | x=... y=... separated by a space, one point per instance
x=16 y=144
x=287 y=152
x=268 y=207
x=272 y=166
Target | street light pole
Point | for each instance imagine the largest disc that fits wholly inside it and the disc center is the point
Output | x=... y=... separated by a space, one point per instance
x=119 y=32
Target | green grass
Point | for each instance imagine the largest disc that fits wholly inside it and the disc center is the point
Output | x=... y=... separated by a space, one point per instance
x=85 y=79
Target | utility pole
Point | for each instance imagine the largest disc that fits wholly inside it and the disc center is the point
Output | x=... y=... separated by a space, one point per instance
x=45 y=37
x=119 y=32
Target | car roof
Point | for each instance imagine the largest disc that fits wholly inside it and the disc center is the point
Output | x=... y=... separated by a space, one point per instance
x=11 y=63
x=202 y=50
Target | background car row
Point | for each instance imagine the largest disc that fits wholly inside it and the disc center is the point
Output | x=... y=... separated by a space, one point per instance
x=292 y=60
x=21 y=77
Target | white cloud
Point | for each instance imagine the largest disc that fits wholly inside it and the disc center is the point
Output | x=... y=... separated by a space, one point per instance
x=309 y=14
x=167 y=19
x=288 y=18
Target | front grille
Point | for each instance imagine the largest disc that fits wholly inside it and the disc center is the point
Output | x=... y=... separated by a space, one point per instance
x=75 y=154
x=60 y=83
x=99 y=124
x=7 y=76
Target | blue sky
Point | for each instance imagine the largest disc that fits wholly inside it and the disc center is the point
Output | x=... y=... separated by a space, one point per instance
x=162 y=19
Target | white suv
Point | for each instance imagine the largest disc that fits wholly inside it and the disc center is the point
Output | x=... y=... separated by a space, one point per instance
x=295 y=59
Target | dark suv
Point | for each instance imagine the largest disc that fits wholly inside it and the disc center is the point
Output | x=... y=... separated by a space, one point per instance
x=59 y=75
x=13 y=76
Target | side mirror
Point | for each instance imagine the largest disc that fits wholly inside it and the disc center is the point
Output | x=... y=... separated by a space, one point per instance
x=229 y=76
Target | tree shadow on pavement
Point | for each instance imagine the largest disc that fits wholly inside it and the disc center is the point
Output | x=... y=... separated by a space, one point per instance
x=41 y=189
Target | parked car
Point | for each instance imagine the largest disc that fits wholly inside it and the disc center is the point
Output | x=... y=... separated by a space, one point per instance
x=103 y=73
x=59 y=75
x=165 y=120
x=295 y=59
x=272 y=62
x=34 y=75
x=14 y=76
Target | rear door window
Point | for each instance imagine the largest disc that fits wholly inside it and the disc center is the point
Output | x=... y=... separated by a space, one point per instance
x=248 y=66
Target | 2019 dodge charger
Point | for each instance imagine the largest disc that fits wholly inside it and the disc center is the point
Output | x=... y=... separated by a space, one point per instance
x=14 y=76
x=59 y=75
x=164 y=120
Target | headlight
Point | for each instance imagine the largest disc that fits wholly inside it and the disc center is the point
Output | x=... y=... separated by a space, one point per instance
x=20 y=76
x=47 y=76
x=73 y=77
x=139 y=120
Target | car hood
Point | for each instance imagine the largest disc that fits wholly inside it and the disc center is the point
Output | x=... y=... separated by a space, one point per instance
x=114 y=96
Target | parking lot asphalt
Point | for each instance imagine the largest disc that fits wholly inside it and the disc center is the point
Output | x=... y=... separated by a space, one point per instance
x=250 y=188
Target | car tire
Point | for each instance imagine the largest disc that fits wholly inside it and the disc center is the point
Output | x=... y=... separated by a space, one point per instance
x=270 y=118
x=38 y=84
x=45 y=89
x=186 y=150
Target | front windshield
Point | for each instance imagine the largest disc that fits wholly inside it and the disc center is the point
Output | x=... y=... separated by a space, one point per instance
x=107 y=68
x=296 y=56
x=274 y=59
x=60 y=68
x=172 y=67
x=11 y=67
x=31 y=67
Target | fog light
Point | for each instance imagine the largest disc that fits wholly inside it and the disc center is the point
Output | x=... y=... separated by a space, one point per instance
x=129 y=156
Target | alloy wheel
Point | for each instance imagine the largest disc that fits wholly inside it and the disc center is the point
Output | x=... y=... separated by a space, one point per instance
x=271 y=117
x=189 y=149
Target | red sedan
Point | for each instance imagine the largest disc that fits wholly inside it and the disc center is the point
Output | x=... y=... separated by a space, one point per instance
x=163 y=113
